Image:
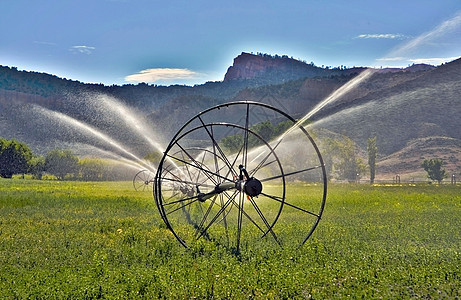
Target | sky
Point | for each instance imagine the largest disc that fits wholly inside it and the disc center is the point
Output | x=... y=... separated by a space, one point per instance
x=192 y=42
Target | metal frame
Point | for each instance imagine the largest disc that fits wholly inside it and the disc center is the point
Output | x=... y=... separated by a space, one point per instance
x=206 y=192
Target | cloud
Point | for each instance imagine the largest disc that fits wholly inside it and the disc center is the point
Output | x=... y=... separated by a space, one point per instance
x=45 y=43
x=448 y=26
x=82 y=49
x=381 y=36
x=406 y=61
x=433 y=60
x=399 y=58
x=159 y=74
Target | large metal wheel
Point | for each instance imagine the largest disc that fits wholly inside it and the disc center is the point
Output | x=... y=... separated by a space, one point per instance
x=143 y=180
x=240 y=173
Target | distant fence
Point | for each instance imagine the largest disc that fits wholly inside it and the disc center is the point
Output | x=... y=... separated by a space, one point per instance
x=451 y=180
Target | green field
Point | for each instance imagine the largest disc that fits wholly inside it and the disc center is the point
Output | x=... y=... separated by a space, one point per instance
x=85 y=240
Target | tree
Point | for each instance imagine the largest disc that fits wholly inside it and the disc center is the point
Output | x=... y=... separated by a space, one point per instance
x=372 y=153
x=37 y=166
x=346 y=164
x=434 y=170
x=264 y=129
x=60 y=163
x=14 y=158
x=232 y=142
x=92 y=169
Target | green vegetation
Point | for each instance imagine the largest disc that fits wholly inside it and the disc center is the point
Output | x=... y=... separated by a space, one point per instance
x=434 y=170
x=342 y=157
x=14 y=158
x=85 y=240
x=60 y=163
x=266 y=130
x=372 y=153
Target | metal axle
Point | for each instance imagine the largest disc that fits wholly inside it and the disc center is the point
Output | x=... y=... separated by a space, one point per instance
x=250 y=186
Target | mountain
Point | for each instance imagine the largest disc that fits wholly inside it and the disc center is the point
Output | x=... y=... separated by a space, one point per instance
x=409 y=110
x=404 y=109
x=270 y=69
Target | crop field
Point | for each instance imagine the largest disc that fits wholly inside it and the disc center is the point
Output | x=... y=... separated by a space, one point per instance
x=86 y=240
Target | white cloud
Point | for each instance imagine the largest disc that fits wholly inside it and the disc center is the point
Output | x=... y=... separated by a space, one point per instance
x=401 y=62
x=433 y=60
x=391 y=59
x=45 y=43
x=160 y=74
x=381 y=36
x=82 y=49
x=449 y=26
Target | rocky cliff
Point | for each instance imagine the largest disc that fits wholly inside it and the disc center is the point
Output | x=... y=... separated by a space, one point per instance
x=277 y=69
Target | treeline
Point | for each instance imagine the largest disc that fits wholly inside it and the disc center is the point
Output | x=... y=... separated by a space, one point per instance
x=16 y=158
x=141 y=94
x=34 y=83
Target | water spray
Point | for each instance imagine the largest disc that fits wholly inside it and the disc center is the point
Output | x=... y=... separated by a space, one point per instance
x=128 y=162
x=131 y=120
x=85 y=128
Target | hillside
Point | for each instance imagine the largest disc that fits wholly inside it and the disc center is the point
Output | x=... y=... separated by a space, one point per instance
x=407 y=161
x=404 y=108
x=426 y=105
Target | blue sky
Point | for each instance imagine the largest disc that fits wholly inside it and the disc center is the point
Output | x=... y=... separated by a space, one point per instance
x=191 y=42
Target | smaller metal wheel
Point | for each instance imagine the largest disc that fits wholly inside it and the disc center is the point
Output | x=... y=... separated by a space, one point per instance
x=143 y=180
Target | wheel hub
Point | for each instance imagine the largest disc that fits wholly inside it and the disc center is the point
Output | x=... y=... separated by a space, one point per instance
x=252 y=187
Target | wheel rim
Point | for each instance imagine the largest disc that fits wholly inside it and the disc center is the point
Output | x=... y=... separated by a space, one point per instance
x=220 y=201
x=142 y=180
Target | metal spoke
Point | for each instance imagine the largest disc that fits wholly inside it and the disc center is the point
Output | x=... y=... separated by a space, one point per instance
x=215 y=143
x=180 y=207
x=245 y=138
x=208 y=173
x=226 y=229
x=181 y=200
x=261 y=165
x=289 y=174
x=263 y=218
x=291 y=205
x=205 y=215
x=188 y=182
x=215 y=218
x=197 y=165
x=240 y=219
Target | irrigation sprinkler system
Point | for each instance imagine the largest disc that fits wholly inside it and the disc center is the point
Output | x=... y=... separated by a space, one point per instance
x=143 y=180
x=235 y=173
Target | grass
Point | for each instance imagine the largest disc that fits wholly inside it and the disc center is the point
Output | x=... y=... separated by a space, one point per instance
x=82 y=240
